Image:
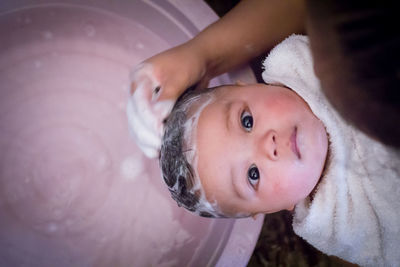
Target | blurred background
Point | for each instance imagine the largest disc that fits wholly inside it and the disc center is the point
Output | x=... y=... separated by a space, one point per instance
x=277 y=244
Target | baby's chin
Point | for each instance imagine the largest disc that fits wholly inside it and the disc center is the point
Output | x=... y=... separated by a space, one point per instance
x=321 y=145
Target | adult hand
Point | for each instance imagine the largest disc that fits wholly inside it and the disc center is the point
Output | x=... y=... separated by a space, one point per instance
x=155 y=85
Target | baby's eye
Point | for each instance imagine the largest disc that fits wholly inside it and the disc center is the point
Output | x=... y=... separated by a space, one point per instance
x=246 y=120
x=253 y=175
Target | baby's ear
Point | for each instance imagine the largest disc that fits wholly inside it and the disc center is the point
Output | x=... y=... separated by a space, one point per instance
x=240 y=83
x=291 y=208
x=255 y=216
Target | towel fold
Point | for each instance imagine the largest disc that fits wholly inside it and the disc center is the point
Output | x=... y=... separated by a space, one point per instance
x=355 y=211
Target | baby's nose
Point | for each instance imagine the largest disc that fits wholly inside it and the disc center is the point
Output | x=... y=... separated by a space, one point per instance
x=269 y=145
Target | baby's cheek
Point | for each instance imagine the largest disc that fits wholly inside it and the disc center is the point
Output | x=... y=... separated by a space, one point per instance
x=292 y=185
x=279 y=188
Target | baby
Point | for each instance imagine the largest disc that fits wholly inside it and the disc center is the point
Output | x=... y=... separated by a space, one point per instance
x=236 y=151
x=240 y=150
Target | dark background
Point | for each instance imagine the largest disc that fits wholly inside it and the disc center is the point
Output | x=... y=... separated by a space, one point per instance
x=277 y=244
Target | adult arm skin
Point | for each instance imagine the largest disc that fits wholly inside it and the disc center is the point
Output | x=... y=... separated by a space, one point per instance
x=251 y=28
x=248 y=30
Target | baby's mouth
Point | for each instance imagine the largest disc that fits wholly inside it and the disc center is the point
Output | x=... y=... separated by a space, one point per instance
x=293 y=143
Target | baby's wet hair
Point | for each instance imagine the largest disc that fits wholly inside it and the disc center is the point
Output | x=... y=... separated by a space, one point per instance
x=177 y=170
x=178 y=154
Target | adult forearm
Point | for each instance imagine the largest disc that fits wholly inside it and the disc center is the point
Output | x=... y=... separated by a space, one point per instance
x=249 y=29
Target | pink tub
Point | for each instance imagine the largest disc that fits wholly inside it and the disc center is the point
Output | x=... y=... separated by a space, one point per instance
x=74 y=188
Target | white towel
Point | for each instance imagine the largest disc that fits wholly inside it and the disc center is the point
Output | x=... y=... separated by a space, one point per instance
x=355 y=212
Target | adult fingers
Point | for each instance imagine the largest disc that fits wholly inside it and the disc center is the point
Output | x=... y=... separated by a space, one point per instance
x=142 y=134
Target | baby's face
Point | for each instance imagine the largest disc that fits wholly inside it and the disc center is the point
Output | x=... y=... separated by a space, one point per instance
x=260 y=149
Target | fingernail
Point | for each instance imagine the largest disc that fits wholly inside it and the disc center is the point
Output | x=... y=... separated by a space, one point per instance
x=156 y=94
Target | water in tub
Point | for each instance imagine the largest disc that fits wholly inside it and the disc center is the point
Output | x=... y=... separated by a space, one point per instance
x=74 y=188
